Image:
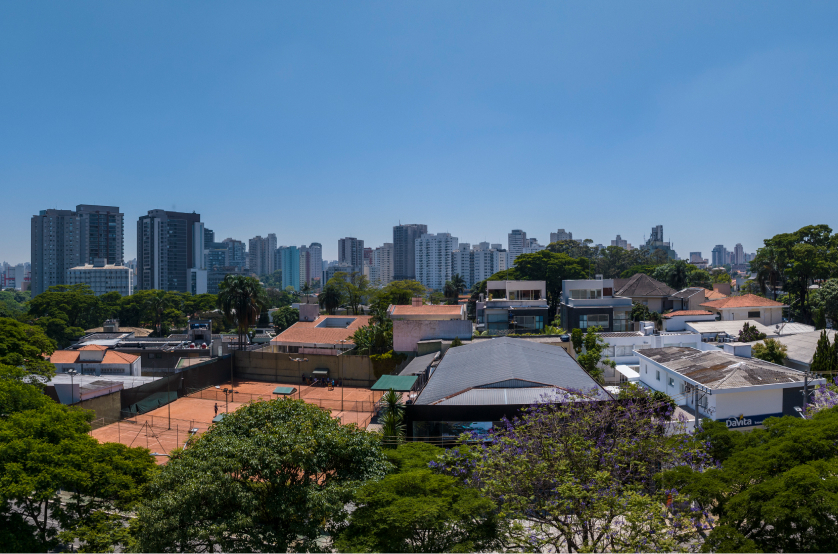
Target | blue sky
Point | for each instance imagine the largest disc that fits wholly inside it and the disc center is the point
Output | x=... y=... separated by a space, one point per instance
x=322 y=120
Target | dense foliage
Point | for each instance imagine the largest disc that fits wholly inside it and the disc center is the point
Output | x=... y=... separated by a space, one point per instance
x=414 y=509
x=271 y=477
x=578 y=475
x=776 y=488
x=770 y=350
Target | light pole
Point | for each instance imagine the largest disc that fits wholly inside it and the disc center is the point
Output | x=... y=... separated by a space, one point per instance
x=299 y=371
x=168 y=399
x=342 y=341
x=72 y=372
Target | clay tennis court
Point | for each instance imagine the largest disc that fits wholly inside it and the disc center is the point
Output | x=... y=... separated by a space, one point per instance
x=153 y=430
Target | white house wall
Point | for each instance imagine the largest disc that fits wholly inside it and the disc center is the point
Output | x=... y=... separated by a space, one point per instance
x=747 y=403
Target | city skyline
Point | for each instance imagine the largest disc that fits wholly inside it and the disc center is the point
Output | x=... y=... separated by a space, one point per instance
x=312 y=124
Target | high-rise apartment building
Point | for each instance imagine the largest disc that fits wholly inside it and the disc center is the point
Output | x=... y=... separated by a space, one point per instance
x=433 y=259
x=62 y=239
x=479 y=263
x=619 y=241
x=404 y=250
x=738 y=254
x=102 y=277
x=209 y=236
x=531 y=246
x=718 y=256
x=381 y=271
x=517 y=240
x=289 y=259
x=351 y=251
x=261 y=257
x=169 y=246
x=462 y=264
x=236 y=253
x=314 y=263
x=560 y=236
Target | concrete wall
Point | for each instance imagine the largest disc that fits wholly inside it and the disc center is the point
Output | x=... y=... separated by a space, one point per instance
x=107 y=406
x=407 y=333
x=679 y=323
x=261 y=365
x=768 y=316
x=748 y=403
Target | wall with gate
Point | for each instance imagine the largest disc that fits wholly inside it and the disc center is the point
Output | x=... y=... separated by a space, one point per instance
x=264 y=365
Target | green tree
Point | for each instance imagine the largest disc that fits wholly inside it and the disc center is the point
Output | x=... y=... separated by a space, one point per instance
x=272 y=477
x=721 y=277
x=456 y=342
x=700 y=278
x=157 y=304
x=392 y=419
x=770 y=350
x=450 y=293
x=828 y=296
x=577 y=338
x=750 y=333
x=436 y=298
x=414 y=509
x=332 y=296
x=273 y=280
x=591 y=357
x=775 y=490
x=65 y=311
x=46 y=451
x=459 y=283
x=241 y=299
x=768 y=269
x=823 y=360
x=284 y=317
x=23 y=349
x=401 y=292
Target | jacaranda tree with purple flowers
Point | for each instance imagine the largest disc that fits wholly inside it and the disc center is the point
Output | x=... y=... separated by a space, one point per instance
x=576 y=473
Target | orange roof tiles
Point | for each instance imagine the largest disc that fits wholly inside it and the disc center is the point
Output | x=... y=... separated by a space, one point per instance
x=711 y=294
x=687 y=312
x=64 y=357
x=428 y=309
x=309 y=332
x=744 y=301
x=114 y=357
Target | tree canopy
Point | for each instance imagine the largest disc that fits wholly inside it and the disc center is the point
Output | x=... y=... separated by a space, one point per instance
x=271 y=476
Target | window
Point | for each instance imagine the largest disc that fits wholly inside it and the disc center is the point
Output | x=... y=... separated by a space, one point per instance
x=584 y=294
x=754 y=314
x=671 y=382
x=593 y=320
x=658 y=374
x=621 y=321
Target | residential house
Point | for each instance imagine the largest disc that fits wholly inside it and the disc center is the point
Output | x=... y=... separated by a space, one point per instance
x=96 y=359
x=593 y=303
x=328 y=334
x=423 y=322
x=641 y=288
x=513 y=306
x=677 y=321
x=748 y=306
x=740 y=391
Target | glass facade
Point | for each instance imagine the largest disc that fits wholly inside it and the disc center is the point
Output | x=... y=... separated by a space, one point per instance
x=593 y=320
x=586 y=294
x=621 y=321
x=450 y=429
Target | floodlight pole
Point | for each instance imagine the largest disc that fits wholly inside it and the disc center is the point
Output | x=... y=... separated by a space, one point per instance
x=342 y=341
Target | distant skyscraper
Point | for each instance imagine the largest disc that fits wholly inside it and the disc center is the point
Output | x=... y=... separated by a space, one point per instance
x=236 y=253
x=404 y=250
x=315 y=262
x=209 y=236
x=718 y=256
x=289 y=257
x=738 y=254
x=351 y=251
x=62 y=239
x=382 y=264
x=462 y=264
x=560 y=236
x=433 y=259
x=261 y=255
x=516 y=241
x=619 y=241
x=169 y=245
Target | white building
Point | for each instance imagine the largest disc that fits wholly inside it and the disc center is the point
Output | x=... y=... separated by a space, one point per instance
x=433 y=259
x=739 y=390
x=382 y=264
x=103 y=278
x=622 y=243
x=517 y=239
x=747 y=306
x=96 y=359
x=531 y=246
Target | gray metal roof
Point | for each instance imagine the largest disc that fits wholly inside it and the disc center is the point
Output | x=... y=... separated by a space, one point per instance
x=641 y=284
x=729 y=327
x=486 y=362
x=483 y=397
x=720 y=370
x=419 y=364
x=688 y=292
x=801 y=347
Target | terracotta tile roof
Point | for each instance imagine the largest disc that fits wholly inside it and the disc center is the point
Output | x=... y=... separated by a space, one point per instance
x=427 y=309
x=711 y=294
x=64 y=357
x=641 y=284
x=744 y=301
x=114 y=357
x=93 y=347
x=687 y=312
x=309 y=332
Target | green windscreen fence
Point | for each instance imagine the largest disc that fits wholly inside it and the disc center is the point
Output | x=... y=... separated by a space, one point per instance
x=152 y=402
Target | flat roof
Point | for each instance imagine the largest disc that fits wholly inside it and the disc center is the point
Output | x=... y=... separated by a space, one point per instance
x=801 y=347
x=285 y=391
x=729 y=327
x=717 y=369
x=399 y=383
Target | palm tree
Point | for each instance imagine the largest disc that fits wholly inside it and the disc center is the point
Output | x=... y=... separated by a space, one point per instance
x=330 y=298
x=157 y=303
x=678 y=275
x=392 y=418
x=450 y=291
x=241 y=299
x=305 y=288
x=459 y=283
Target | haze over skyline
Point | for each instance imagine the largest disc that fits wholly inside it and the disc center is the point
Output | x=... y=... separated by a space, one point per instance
x=322 y=121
